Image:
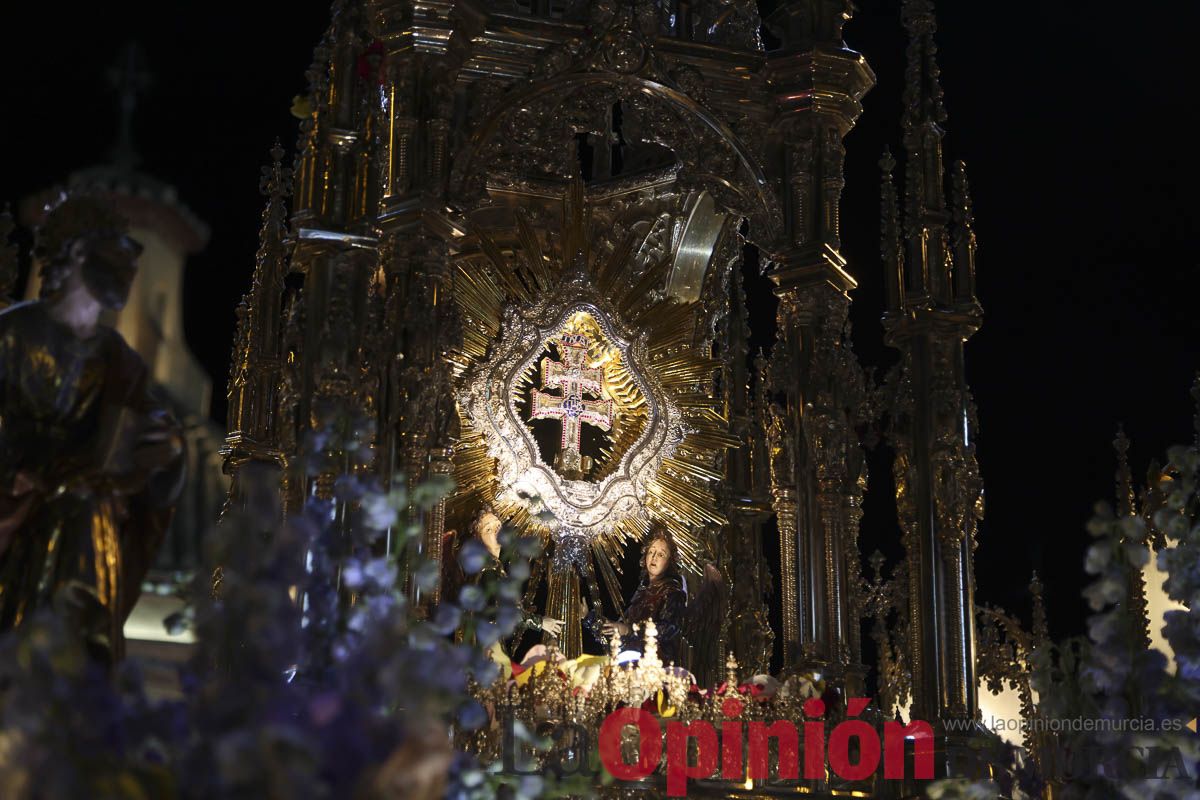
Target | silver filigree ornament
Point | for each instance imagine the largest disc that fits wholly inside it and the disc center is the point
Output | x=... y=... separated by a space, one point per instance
x=572 y=549
x=578 y=511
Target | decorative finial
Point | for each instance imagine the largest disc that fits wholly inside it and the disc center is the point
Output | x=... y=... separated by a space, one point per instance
x=275 y=183
x=922 y=118
x=275 y=180
x=964 y=234
x=889 y=243
x=876 y=561
x=650 y=641
x=1040 y=630
x=731 y=668
x=1126 y=503
x=130 y=79
x=922 y=86
x=1126 y=506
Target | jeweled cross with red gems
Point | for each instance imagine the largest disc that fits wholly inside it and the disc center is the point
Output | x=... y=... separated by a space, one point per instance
x=574 y=380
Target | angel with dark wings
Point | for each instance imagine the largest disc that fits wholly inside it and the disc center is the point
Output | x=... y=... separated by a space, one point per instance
x=686 y=613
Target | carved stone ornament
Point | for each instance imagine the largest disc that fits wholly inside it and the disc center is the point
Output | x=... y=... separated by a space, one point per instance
x=492 y=394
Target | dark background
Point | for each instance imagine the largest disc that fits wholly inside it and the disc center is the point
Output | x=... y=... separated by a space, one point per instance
x=1076 y=128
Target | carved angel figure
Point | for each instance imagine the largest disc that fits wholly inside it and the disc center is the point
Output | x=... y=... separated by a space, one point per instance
x=90 y=461
x=681 y=617
x=485 y=528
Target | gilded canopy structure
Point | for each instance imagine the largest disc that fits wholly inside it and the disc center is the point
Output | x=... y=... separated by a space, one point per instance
x=517 y=241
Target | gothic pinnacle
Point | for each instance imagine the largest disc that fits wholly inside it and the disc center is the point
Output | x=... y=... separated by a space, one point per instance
x=273 y=183
x=1041 y=632
x=889 y=244
x=925 y=213
x=922 y=87
x=1126 y=507
x=922 y=117
x=1125 y=494
x=269 y=267
x=964 y=235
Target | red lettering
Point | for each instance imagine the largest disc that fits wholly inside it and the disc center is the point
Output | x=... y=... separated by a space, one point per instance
x=731 y=740
x=868 y=749
x=649 y=743
x=731 y=750
x=814 y=740
x=894 y=736
x=760 y=749
x=868 y=744
x=678 y=769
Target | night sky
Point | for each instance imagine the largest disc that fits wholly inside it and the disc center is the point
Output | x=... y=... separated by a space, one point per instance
x=1076 y=128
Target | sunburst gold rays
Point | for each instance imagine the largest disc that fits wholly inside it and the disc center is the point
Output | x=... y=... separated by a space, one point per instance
x=615 y=264
x=575 y=239
x=473 y=472
x=683 y=494
x=520 y=264
x=531 y=249
x=631 y=417
x=479 y=300
x=504 y=270
x=639 y=294
x=669 y=324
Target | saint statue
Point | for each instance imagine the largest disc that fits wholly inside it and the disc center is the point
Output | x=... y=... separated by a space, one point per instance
x=91 y=461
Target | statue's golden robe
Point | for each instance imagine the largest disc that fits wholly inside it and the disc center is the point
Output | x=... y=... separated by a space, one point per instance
x=90 y=464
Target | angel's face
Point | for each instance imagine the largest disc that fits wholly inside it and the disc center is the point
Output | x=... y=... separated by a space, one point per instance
x=658 y=555
x=489 y=530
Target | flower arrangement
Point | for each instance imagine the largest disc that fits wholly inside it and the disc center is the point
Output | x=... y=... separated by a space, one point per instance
x=313 y=675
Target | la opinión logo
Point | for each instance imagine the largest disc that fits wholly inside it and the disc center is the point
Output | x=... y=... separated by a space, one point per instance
x=853 y=749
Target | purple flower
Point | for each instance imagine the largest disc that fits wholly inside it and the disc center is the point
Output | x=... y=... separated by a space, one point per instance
x=427 y=575
x=519 y=570
x=509 y=590
x=487 y=634
x=472 y=598
x=378 y=512
x=473 y=556
x=472 y=716
x=530 y=786
x=381 y=572
x=352 y=574
x=507 y=617
x=447 y=619
x=484 y=669
x=528 y=547
x=348 y=489
x=324 y=708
